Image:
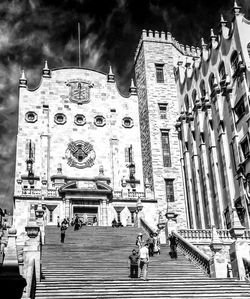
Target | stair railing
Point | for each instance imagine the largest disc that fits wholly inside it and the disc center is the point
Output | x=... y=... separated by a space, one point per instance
x=146 y=226
x=195 y=255
x=32 y=284
x=206 y=234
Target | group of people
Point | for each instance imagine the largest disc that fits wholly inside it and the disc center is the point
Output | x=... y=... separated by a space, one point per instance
x=139 y=259
x=76 y=222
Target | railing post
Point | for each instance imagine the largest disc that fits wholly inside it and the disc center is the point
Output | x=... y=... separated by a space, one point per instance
x=239 y=249
x=12 y=283
x=218 y=262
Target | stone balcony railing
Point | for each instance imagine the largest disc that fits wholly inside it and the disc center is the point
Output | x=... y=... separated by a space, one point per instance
x=130 y=194
x=206 y=234
x=38 y=192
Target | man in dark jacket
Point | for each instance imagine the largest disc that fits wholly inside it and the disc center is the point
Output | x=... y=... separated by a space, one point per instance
x=133 y=261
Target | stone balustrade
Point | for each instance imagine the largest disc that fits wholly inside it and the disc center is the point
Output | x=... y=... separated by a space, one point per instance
x=206 y=234
x=31 y=192
x=193 y=253
x=131 y=194
x=146 y=226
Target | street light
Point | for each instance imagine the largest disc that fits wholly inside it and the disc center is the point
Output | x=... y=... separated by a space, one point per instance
x=171 y=216
x=139 y=205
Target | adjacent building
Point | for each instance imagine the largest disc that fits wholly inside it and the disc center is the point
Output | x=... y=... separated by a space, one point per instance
x=213 y=91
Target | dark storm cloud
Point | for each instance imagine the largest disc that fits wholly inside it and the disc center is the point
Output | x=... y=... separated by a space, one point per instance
x=32 y=31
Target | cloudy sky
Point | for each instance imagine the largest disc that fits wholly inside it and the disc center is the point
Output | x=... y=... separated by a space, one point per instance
x=32 y=31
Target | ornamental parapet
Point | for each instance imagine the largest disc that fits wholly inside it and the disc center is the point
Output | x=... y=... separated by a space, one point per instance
x=38 y=192
x=129 y=195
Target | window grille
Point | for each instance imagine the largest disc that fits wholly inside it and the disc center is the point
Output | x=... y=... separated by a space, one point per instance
x=159 y=73
x=169 y=184
x=166 y=149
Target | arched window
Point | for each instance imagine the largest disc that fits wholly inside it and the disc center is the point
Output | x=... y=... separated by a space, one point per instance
x=222 y=73
x=202 y=89
x=234 y=61
x=248 y=49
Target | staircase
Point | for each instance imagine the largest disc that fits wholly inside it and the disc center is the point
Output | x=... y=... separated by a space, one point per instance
x=92 y=263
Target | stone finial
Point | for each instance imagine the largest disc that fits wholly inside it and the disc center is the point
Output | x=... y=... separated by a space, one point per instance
x=157 y=34
x=111 y=76
x=163 y=35
x=223 y=22
x=132 y=88
x=237 y=230
x=101 y=170
x=203 y=44
x=236 y=8
x=23 y=80
x=169 y=37
x=59 y=168
x=46 y=70
x=212 y=35
x=144 y=33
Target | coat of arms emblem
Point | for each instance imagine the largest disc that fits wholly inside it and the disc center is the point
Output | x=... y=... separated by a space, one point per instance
x=79 y=91
x=80 y=154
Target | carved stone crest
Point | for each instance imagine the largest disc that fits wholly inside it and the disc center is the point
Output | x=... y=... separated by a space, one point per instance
x=80 y=154
x=79 y=91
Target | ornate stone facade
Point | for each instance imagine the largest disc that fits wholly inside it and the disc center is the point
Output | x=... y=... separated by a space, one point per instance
x=213 y=90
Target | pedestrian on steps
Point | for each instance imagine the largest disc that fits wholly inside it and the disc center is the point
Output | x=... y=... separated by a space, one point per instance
x=139 y=241
x=76 y=223
x=156 y=244
x=58 y=221
x=63 y=230
x=144 y=261
x=173 y=246
x=133 y=264
x=150 y=242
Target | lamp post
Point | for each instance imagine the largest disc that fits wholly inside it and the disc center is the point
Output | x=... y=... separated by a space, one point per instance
x=171 y=222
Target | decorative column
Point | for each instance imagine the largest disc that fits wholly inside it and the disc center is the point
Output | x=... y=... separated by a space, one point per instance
x=139 y=208
x=118 y=211
x=104 y=213
x=239 y=249
x=133 y=214
x=67 y=211
x=218 y=261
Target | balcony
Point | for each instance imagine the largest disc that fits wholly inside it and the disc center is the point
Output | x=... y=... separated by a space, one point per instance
x=129 y=195
x=38 y=192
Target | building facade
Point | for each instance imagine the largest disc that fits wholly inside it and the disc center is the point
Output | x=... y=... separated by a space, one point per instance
x=82 y=147
x=213 y=91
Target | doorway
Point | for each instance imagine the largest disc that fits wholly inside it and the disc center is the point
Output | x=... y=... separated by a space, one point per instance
x=91 y=212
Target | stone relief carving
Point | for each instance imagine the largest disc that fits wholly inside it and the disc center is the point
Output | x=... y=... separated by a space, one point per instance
x=79 y=91
x=80 y=154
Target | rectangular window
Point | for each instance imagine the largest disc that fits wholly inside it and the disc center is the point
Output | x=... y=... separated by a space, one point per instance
x=159 y=73
x=163 y=111
x=169 y=184
x=166 y=148
x=129 y=154
x=239 y=108
x=245 y=148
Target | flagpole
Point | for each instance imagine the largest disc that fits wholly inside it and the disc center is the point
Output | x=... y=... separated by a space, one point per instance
x=79 y=45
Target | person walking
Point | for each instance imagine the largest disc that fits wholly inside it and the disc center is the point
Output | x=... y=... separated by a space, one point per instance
x=173 y=246
x=139 y=241
x=156 y=244
x=76 y=223
x=63 y=230
x=144 y=261
x=150 y=242
x=58 y=221
x=133 y=264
